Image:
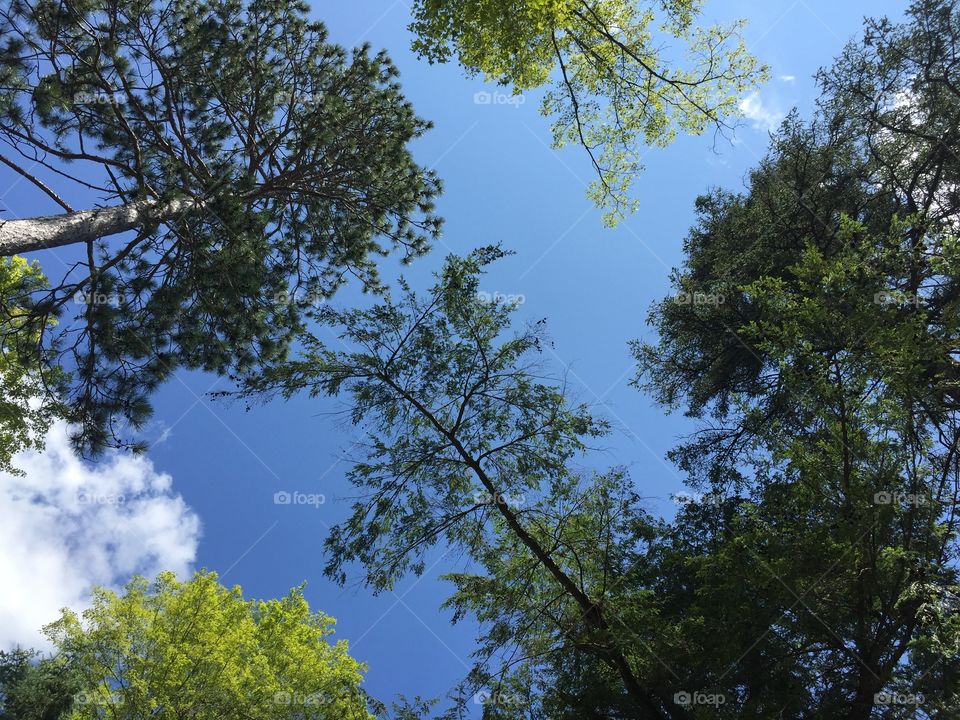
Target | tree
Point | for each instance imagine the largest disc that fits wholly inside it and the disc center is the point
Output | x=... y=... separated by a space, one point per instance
x=813 y=331
x=589 y=606
x=32 y=689
x=197 y=649
x=25 y=409
x=613 y=87
x=468 y=444
x=821 y=358
x=242 y=167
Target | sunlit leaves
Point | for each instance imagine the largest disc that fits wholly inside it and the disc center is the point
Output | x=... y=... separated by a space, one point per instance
x=25 y=408
x=615 y=83
x=195 y=648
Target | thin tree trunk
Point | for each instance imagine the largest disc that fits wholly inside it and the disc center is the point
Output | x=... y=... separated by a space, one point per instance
x=592 y=613
x=865 y=699
x=49 y=231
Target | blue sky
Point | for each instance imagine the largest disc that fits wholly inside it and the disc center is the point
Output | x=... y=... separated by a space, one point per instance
x=502 y=184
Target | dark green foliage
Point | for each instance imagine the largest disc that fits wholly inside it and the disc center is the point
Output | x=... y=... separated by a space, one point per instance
x=33 y=688
x=827 y=382
x=291 y=152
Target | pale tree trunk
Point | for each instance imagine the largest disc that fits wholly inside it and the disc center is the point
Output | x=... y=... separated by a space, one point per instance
x=49 y=231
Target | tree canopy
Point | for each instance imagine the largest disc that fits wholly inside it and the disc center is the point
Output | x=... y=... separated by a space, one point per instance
x=813 y=334
x=246 y=166
x=826 y=382
x=193 y=648
x=615 y=83
x=35 y=688
x=467 y=444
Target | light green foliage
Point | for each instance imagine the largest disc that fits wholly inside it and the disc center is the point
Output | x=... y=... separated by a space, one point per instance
x=25 y=410
x=615 y=84
x=197 y=649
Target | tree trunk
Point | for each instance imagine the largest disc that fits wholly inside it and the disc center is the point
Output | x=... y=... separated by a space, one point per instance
x=49 y=231
x=865 y=698
x=592 y=612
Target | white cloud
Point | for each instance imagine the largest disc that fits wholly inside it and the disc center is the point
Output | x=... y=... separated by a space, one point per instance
x=762 y=117
x=67 y=525
x=787 y=78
